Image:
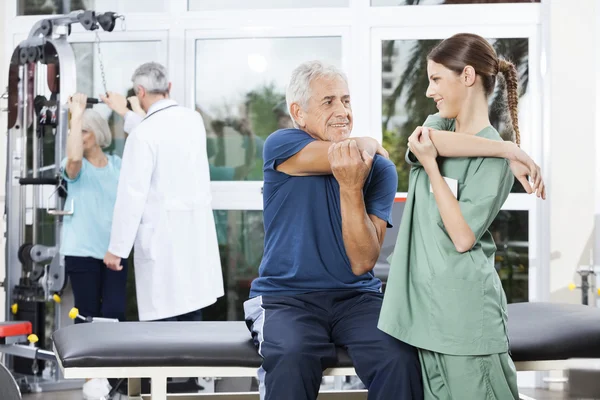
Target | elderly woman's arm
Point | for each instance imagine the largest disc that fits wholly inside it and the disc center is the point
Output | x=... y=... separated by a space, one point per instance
x=77 y=105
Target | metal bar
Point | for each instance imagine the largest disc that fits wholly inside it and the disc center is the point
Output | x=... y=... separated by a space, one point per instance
x=23 y=155
x=67 y=87
x=28 y=352
x=34 y=163
x=56 y=20
x=12 y=198
x=208 y=371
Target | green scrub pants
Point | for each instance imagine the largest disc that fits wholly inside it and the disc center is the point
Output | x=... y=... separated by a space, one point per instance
x=489 y=377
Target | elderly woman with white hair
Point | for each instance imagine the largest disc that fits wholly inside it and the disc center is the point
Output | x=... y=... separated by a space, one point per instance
x=92 y=178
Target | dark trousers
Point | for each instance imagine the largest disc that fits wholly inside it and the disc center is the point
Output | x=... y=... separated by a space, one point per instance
x=297 y=338
x=98 y=291
x=191 y=316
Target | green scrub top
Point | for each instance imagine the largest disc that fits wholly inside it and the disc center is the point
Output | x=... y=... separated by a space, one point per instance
x=437 y=298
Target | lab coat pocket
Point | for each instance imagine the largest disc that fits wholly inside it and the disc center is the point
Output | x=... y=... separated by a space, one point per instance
x=456 y=309
x=144 y=242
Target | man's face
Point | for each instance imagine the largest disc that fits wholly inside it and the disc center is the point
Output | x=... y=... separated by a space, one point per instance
x=328 y=115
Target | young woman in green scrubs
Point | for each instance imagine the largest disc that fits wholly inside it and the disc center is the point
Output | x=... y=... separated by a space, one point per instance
x=443 y=293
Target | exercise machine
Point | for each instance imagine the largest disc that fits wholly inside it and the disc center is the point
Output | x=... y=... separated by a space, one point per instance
x=42 y=76
x=589 y=281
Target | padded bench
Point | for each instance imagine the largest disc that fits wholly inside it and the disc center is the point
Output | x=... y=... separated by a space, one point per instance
x=543 y=337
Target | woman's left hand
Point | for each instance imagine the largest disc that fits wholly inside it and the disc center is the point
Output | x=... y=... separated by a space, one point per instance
x=77 y=104
x=421 y=146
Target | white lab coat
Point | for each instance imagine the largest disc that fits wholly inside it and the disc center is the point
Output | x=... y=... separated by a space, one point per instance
x=163 y=209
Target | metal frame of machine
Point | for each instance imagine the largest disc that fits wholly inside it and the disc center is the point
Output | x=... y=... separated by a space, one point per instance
x=42 y=64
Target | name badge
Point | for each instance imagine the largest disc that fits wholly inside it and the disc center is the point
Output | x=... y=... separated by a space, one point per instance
x=452 y=184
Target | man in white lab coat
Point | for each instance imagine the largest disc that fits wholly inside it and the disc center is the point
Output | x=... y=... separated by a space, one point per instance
x=163 y=207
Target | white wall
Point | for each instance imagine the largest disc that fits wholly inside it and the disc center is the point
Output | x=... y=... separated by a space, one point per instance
x=3 y=122
x=597 y=138
x=572 y=147
x=572 y=131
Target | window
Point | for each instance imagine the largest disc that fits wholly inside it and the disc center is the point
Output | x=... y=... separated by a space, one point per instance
x=379 y=3
x=49 y=7
x=241 y=238
x=247 y=102
x=203 y=5
x=146 y=6
x=45 y=7
x=405 y=105
x=510 y=230
x=119 y=61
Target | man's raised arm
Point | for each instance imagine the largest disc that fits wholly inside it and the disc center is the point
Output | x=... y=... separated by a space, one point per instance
x=313 y=158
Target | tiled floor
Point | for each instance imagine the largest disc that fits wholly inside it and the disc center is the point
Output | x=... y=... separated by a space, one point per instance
x=76 y=395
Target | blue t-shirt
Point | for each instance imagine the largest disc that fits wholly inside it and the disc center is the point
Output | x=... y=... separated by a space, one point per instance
x=86 y=233
x=304 y=248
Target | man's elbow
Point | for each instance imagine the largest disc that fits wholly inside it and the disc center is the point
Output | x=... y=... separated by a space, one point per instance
x=364 y=267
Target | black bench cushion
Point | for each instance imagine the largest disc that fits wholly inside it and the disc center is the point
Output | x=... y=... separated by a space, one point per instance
x=537 y=332
x=551 y=331
x=149 y=344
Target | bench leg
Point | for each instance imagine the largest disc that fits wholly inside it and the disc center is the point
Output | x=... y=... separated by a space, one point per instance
x=158 y=388
x=134 y=388
x=338 y=382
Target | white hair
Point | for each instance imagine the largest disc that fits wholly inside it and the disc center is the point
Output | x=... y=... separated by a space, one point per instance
x=152 y=76
x=94 y=122
x=298 y=90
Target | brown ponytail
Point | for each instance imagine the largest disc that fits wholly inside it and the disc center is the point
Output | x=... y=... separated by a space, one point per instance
x=509 y=71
